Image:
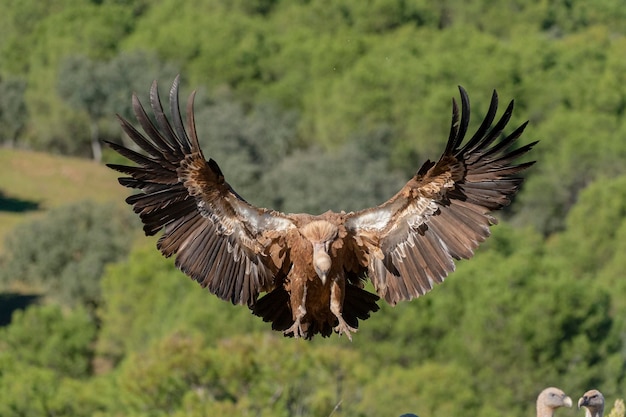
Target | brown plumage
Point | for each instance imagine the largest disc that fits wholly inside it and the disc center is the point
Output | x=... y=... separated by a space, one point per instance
x=549 y=400
x=593 y=401
x=312 y=268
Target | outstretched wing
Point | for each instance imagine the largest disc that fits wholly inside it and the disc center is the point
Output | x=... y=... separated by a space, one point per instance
x=442 y=213
x=219 y=239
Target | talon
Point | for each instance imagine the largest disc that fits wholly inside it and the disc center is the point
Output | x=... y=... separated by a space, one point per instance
x=296 y=329
x=343 y=327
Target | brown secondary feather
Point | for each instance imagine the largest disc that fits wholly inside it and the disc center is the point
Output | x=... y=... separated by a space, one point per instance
x=306 y=273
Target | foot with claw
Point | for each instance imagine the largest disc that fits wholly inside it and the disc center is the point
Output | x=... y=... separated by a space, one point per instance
x=296 y=329
x=343 y=327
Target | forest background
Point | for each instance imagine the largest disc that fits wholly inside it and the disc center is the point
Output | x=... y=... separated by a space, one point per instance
x=309 y=105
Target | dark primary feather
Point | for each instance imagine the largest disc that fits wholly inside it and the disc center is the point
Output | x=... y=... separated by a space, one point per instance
x=237 y=251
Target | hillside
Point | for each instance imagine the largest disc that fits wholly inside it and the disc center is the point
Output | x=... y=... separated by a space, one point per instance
x=33 y=182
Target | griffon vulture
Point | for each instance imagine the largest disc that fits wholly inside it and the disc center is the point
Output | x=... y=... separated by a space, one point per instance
x=312 y=268
x=593 y=401
x=549 y=400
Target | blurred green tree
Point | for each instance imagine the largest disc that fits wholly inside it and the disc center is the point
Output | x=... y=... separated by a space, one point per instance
x=353 y=177
x=102 y=88
x=146 y=298
x=46 y=337
x=13 y=113
x=64 y=253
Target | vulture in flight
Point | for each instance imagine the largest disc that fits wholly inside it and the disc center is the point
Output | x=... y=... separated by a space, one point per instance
x=549 y=400
x=593 y=401
x=306 y=273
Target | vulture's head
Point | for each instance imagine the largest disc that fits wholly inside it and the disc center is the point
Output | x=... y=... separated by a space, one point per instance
x=550 y=399
x=321 y=234
x=593 y=401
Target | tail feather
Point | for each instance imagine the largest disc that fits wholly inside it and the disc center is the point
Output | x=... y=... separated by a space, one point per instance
x=274 y=307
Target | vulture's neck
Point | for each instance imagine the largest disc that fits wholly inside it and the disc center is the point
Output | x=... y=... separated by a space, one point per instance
x=544 y=411
x=595 y=413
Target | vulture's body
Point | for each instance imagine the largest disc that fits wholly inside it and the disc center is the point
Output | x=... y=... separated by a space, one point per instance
x=312 y=268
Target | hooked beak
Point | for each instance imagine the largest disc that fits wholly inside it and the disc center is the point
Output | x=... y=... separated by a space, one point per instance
x=321 y=261
x=582 y=401
x=568 y=402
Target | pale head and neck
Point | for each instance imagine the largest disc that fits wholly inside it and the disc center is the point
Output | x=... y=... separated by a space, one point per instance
x=593 y=401
x=321 y=234
x=549 y=400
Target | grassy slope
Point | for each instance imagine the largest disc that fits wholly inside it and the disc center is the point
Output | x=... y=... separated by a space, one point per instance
x=32 y=182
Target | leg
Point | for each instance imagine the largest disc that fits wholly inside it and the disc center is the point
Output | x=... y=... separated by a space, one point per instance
x=299 y=313
x=336 y=307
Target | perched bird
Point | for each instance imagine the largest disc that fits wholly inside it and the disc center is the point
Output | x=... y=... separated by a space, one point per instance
x=312 y=268
x=549 y=400
x=593 y=401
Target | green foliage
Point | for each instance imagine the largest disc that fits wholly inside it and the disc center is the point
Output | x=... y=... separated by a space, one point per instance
x=45 y=359
x=314 y=181
x=44 y=336
x=312 y=105
x=146 y=298
x=13 y=114
x=402 y=389
x=36 y=50
x=27 y=390
x=65 y=252
x=101 y=88
x=156 y=381
x=586 y=246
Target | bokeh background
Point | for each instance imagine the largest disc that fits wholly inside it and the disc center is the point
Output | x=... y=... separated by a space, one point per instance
x=309 y=105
